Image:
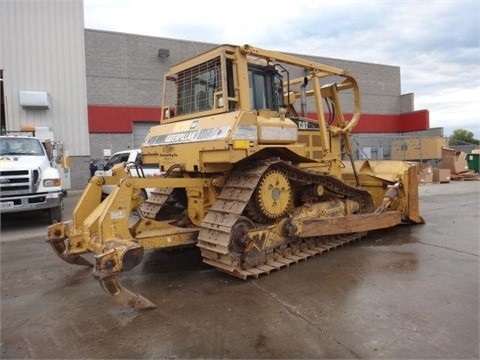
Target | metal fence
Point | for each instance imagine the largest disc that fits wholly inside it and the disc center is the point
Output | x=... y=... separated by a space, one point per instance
x=458 y=145
x=401 y=147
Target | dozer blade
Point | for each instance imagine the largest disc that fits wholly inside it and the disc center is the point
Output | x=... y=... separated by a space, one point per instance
x=59 y=248
x=413 y=211
x=122 y=296
x=353 y=223
x=377 y=175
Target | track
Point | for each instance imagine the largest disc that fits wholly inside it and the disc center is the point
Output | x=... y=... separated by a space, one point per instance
x=154 y=203
x=287 y=256
x=215 y=230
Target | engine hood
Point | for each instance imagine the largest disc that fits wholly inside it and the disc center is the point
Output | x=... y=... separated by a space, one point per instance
x=14 y=162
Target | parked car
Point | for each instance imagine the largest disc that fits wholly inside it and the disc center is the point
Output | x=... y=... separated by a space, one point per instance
x=126 y=156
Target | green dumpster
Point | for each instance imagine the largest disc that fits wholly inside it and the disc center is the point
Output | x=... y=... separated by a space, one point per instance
x=473 y=161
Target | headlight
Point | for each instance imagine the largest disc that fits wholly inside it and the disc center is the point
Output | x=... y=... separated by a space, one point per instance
x=52 y=182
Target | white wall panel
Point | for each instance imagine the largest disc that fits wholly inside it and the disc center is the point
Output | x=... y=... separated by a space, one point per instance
x=42 y=49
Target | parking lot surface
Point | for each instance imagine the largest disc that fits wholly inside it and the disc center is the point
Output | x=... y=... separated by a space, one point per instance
x=406 y=292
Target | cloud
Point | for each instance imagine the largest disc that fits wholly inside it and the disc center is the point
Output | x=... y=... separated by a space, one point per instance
x=435 y=43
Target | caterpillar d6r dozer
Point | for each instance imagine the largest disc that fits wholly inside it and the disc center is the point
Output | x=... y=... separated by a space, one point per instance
x=249 y=175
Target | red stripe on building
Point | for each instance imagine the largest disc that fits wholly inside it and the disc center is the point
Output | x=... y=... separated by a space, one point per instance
x=415 y=121
x=120 y=119
x=378 y=123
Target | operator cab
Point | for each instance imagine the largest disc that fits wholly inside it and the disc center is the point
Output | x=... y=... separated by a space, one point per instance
x=214 y=86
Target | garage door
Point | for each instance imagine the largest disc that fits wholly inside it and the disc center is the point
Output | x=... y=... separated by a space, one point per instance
x=140 y=130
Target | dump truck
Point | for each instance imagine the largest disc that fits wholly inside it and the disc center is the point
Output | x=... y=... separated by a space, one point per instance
x=257 y=172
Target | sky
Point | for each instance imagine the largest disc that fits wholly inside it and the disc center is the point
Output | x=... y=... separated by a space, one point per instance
x=434 y=42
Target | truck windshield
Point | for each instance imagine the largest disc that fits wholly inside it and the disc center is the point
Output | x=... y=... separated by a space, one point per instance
x=21 y=146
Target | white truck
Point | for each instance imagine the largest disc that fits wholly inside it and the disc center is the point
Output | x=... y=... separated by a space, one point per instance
x=133 y=164
x=28 y=181
x=56 y=153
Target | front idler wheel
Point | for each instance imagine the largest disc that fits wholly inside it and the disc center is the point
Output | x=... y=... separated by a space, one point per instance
x=238 y=235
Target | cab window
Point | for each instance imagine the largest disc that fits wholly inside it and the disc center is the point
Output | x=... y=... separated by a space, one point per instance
x=266 y=90
x=116 y=159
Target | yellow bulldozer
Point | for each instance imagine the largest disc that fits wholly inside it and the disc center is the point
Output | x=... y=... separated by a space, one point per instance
x=257 y=171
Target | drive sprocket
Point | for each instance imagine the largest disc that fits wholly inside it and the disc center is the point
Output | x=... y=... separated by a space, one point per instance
x=272 y=198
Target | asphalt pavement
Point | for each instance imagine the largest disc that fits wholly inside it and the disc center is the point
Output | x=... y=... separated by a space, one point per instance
x=407 y=292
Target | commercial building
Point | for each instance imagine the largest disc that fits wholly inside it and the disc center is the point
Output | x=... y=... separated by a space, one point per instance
x=101 y=91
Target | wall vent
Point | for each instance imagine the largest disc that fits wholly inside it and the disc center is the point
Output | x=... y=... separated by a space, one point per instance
x=34 y=99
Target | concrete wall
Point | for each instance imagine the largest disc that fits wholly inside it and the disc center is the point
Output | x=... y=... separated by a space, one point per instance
x=80 y=171
x=407 y=103
x=124 y=69
x=111 y=142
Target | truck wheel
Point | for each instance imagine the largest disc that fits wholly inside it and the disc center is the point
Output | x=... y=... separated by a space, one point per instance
x=55 y=214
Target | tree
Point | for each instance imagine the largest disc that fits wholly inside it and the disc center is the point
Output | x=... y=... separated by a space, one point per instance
x=465 y=136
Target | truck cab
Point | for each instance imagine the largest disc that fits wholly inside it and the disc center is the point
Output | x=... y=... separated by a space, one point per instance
x=28 y=182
